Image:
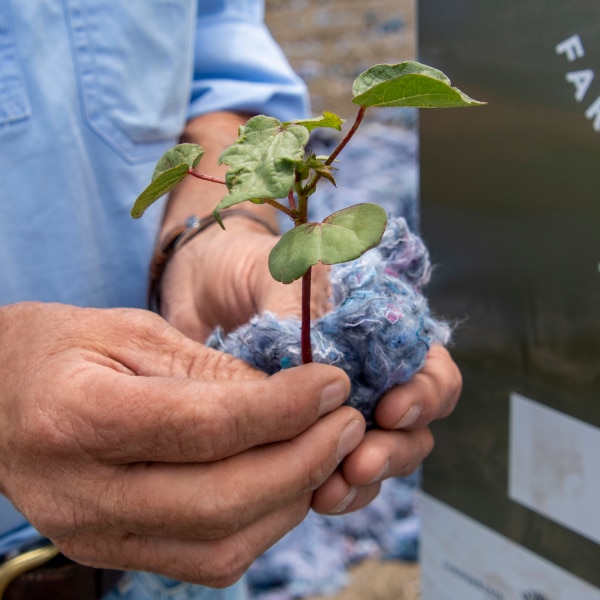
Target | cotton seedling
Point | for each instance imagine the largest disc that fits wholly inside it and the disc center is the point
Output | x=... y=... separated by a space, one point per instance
x=269 y=164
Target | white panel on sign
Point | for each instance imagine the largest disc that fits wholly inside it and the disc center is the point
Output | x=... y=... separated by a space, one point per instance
x=461 y=559
x=554 y=466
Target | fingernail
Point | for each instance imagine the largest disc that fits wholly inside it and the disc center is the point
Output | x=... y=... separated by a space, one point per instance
x=332 y=397
x=410 y=418
x=345 y=503
x=382 y=474
x=351 y=437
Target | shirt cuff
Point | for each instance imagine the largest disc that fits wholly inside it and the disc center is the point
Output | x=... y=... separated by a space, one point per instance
x=239 y=67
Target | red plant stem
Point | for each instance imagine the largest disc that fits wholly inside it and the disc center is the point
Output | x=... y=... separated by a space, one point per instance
x=282 y=207
x=302 y=218
x=311 y=185
x=348 y=136
x=290 y=213
x=206 y=177
x=292 y=201
x=305 y=333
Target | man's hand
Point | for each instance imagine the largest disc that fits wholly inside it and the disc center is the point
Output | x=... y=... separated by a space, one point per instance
x=222 y=278
x=208 y=286
x=404 y=440
x=133 y=447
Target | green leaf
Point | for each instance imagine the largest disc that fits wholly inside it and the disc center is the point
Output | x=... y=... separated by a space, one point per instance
x=262 y=161
x=316 y=164
x=343 y=236
x=188 y=154
x=408 y=84
x=327 y=119
x=171 y=168
x=326 y=171
x=162 y=184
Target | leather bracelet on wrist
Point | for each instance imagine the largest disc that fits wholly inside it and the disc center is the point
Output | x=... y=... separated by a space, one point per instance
x=181 y=235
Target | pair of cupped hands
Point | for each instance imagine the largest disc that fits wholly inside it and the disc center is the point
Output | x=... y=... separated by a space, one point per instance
x=131 y=445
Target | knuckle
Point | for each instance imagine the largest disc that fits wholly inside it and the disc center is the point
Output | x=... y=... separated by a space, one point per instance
x=317 y=474
x=455 y=388
x=446 y=379
x=220 y=433
x=222 y=519
x=421 y=445
x=219 y=512
x=226 y=564
x=428 y=442
x=423 y=442
x=430 y=400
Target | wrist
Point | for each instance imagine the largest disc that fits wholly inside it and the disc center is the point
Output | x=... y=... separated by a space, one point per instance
x=191 y=228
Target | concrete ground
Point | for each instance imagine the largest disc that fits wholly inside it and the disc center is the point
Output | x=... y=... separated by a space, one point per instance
x=372 y=580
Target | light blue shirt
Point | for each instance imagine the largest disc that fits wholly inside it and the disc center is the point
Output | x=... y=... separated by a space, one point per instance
x=92 y=92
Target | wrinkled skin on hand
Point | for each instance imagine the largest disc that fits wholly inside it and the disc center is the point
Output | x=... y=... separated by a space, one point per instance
x=133 y=447
x=223 y=279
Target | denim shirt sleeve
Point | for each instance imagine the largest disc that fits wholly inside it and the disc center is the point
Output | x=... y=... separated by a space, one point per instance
x=240 y=67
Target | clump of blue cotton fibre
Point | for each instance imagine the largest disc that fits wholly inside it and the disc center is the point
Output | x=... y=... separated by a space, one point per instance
x=378 y=332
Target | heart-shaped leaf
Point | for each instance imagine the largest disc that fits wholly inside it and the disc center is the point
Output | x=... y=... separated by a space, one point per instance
x=343 y=236
x=262 y=161
x=172 y=167
x=408 y=84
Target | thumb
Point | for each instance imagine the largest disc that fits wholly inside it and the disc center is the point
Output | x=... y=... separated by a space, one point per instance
x=210 y=413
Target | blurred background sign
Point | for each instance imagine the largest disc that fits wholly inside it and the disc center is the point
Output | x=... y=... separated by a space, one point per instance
x=510 y=210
